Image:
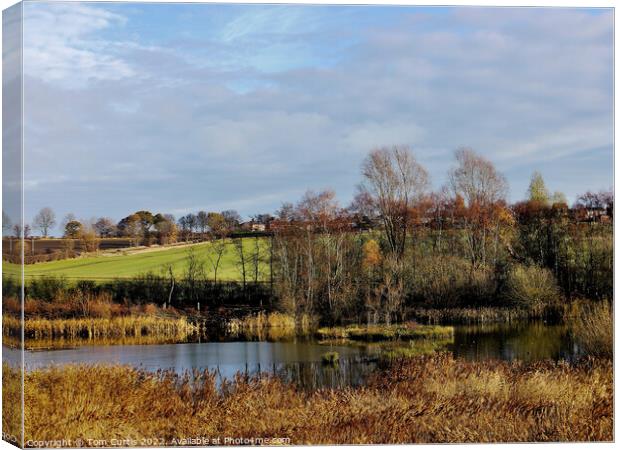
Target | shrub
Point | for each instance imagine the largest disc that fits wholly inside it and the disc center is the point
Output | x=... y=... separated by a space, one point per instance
x=449 y=281
x=49 y=289
x=532 y=288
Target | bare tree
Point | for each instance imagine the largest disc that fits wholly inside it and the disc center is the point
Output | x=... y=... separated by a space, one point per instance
x=476 y=180
x=286 y=212
x=215 y=251
x=169 y=271
x=256 y=259
x=232 y=219
x=396 y=181
x=318 y=207
x=105 y=227
x=194 y=273
x=241 y=259
x=363 y=204
x=17 y=230
x=70 y=217
x=201 y=221
x=45 y=220
x=482 y=189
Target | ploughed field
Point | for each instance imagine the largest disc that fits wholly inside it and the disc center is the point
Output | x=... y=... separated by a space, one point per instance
x=154 y=261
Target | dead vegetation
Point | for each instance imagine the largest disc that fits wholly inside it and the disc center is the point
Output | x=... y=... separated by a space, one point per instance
x=421 y=399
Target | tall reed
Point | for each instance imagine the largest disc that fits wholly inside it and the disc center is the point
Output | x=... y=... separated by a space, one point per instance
x=272 y=326
x=423 y=399
x=116 y=327
x=591 y=325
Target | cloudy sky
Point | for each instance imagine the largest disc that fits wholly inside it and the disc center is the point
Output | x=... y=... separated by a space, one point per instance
x=181 y=107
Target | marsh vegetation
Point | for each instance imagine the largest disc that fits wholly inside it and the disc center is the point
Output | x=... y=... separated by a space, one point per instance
x=420 y=399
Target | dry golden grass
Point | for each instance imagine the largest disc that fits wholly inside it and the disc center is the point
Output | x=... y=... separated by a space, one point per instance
x=95 y=328
x=423 y=399
x=591 y=325
x=269 y=326
x=11 y=404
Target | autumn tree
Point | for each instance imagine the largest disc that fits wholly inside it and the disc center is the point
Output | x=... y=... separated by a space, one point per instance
x=165 y=228
x=395 y=181
x=217 y=224
x=45 y=220
x=88 y=236
x=130 y=227
x=372 y=255
x=482 y=189
x=317 y=262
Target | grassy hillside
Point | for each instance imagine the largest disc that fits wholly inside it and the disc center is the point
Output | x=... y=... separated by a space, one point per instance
x=126 y=266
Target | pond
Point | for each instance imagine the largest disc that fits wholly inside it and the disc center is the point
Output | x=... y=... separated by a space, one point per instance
x=299 y=360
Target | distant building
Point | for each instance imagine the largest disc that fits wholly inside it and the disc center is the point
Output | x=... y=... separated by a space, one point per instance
x=252 y=226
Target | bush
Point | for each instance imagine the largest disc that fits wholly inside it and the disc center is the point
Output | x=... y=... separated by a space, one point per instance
x=48 y=289
x=533 y=288
x=450 y=281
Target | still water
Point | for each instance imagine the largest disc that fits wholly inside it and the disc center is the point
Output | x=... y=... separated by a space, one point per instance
x=300 y=361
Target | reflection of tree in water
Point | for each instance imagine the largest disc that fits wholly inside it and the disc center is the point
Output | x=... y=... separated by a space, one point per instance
x=525 y=341
x=317 y=375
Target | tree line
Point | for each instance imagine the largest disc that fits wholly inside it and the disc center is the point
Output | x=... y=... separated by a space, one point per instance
x=461 y=246
x=399 y=245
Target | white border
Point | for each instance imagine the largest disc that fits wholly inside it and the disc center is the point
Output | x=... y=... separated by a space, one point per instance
x=497 y=3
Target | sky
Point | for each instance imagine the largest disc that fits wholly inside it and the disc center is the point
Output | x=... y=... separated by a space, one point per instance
x=181 y=107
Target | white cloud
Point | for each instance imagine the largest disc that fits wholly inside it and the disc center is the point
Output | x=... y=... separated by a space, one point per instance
x=503 y=81
x=59 y=46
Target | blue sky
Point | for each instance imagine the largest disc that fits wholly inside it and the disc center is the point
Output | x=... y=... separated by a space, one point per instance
x=181 y=107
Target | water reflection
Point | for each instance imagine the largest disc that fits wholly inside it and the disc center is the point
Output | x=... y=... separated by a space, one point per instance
x=300 y=360
x=524 y=341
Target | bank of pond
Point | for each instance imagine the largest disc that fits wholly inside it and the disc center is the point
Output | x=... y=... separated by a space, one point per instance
x=327 y=357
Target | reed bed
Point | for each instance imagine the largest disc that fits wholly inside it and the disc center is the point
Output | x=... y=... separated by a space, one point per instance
x=467 y=316
x=423 y=399
x=591 y=326
x=270 y=326
x=96 y=328
x=11 y=404
x=406 y=331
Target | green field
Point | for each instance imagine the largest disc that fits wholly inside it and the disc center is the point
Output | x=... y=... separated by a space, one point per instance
x=127 y=266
